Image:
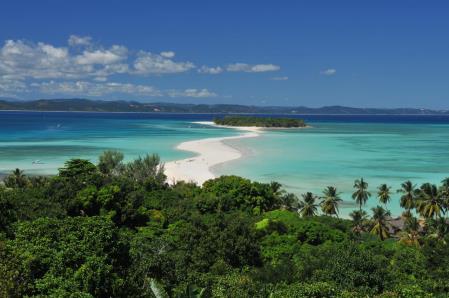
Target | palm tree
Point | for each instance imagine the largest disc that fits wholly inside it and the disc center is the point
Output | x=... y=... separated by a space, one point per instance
x=16 y=179
x=307 y=206
x=410 y=235
x=361 y=193
x=429 y=203
x=408 y=195
x=380 y=227
x=406 y=214
x=438 y=228
x=444 y=193
x=330 y=202
x=383 y=194
x=359 y=218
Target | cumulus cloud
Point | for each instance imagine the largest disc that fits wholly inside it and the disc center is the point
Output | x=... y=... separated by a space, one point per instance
x=83 y=67
x=329 y=72
x=113 y=55
x=84 y=88
x=168 y=54
x=44 y=61
x=210 y=70
x=149 y=63
x=11 y=85
x=243 y=67
x=97 y=89
x=279 y=78
x=197 y=93
x=27 y=60
x=75 y=40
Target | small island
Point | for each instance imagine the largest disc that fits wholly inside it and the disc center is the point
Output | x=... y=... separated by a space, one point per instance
x=267 y=122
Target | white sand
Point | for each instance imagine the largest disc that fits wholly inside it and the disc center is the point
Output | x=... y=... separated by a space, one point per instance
x=211 y=152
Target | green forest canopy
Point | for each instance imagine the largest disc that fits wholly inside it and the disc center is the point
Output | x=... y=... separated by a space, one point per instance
x=118 y=230
x=260 y=121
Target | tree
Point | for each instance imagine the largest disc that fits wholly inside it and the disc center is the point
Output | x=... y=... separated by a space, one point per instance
x=438 y=228
x=383 y=194
x=408 y=195
x=146 y=169
x=444 y=194
x=429 y=203
x=380 y=226
x=307 y=206
x=330 y=202
x=16 y=179
x=110 y=163
x=361 y=193
x=359 y=218
x=79 y=255
x=410 y=234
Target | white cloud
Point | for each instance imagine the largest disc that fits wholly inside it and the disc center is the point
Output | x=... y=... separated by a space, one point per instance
x=197 y=93
x=105 y=57
x=329 y=72
x=148 y=63
x=243 y=67
x=168 y=54
x=11 y=85
x=75 y=40
x=279 y=78
x=44 y=61
x=210 y=70
x=84 y=88
x=96 y=89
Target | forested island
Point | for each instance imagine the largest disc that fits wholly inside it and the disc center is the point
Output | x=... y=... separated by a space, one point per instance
x=117 y=229
x=267 y=122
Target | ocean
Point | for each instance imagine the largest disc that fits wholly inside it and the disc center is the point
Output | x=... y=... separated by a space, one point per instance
x=334 y=151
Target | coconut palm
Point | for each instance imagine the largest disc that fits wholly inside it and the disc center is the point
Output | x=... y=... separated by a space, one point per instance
x=380 y=227
x=429 y=203
x=361 y=193
x=444 y=194
x=410 y=234
x=408 y=195
x=308 y=206
x=16 y=179
x=359 y=218
x=330 y=202
x=406 y=214
x=438 y=228
x=383 y=194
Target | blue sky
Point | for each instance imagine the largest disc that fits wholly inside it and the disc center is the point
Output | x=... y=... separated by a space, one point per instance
x=312 y=53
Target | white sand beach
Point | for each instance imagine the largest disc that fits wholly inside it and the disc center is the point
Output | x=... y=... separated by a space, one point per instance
x=211 y=152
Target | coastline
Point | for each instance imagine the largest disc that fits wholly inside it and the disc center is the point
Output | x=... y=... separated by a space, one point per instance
x=210 y=153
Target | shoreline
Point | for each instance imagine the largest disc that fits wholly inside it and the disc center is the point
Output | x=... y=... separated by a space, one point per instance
x=210 y=152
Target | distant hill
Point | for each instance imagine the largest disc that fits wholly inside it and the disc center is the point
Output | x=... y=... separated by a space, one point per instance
x=86 y=105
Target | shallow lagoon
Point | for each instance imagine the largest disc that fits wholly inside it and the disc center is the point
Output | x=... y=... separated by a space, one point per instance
x=337 y=150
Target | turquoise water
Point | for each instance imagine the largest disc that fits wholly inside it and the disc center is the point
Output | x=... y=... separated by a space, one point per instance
x=335 y=151
x=53 y=138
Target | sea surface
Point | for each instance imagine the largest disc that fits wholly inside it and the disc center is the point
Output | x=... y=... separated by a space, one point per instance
x=334 y=151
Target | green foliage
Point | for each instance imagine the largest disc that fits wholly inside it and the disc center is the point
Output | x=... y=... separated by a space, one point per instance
x=118 y=230
x=71 y=255
x=259 y=121
x=236 y=192
x=306 y=290
x=110 y=163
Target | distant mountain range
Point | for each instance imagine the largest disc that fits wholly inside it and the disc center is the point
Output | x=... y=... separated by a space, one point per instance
x=86 y=105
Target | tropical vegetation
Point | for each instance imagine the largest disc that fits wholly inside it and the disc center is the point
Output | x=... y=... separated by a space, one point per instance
x=268 y=122
x=116 y=229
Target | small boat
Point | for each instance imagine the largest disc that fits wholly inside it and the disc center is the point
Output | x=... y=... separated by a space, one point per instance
x=37 y=162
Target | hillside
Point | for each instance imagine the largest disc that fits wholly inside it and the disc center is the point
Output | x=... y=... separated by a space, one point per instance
x=87 y=105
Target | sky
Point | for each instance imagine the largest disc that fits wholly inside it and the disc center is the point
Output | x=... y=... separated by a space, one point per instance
x=316 y=53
